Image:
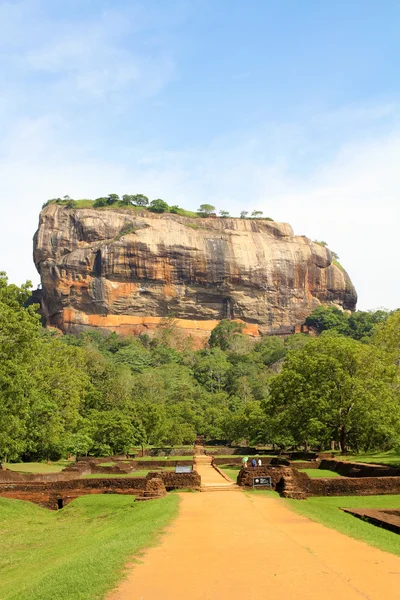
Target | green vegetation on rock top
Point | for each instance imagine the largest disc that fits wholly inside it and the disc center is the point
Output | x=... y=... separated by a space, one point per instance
x=141 y=202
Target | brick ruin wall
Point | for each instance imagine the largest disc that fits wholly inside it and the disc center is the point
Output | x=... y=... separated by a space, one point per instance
x=353 y=469
x=48 y=493
x=245 y=476
x=346 y=486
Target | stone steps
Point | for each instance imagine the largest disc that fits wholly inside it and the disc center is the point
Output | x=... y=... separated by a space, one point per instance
x=290 y=490
x=221 y=488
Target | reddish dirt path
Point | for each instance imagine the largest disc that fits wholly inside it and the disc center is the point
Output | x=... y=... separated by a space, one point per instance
x=230 y=545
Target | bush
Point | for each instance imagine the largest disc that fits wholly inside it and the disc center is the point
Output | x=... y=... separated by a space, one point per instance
x=158 y=206
x=100 y=202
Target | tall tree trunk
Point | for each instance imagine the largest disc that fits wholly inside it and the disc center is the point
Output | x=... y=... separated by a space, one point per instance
x=343 y=439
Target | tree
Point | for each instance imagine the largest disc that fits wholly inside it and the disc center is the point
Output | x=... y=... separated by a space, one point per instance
x=387 y=336
x=224 y=213
x=103 y=201
x=19 y=341
x=135 y=356
x=158 y=206
x=362 y=325
x=244 y=214
x=328 y=317
x=270 y=349
x=257 y=213
x=211 y=369
x=205 y=210
x=78 y=444
x=112 y=198
x=335 y=388
x=140 y=200
x=127 y=199
x=116 y=432
x=221 y=336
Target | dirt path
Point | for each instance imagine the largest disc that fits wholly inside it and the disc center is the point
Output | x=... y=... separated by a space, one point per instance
x=210 y=477
x=230 y=545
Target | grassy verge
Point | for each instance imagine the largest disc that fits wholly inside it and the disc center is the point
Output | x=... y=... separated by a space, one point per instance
x=35 y=467
x=138 y=473
x=164 y=458
x=392 y=457
x=241 y=456
x=79 y=552
x=326 y=511
x=316 y=473
x=230 y=471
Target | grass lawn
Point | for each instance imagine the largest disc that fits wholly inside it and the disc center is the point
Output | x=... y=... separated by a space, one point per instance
x=316 y=473
x=326 y=511
x=164 y=458
x=139 y=473
x=142 y=473
x=38 y=467
x=241 y=455
x=392 y=457
x=79 y=552
x=231 y=471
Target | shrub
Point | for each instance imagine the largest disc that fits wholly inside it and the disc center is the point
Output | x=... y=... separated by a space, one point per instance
x=158 y=206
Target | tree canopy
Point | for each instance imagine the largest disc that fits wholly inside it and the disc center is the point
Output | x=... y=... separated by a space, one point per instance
x=98 y=394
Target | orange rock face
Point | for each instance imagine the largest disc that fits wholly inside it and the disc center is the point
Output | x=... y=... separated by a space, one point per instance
x=127 y=270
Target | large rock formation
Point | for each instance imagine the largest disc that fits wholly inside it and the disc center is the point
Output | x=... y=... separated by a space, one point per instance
x=126 y=270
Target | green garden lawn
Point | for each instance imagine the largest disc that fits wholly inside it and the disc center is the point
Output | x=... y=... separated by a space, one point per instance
x=139 y=473
x=327 y=511
x=392 y=457
x=39 y=467
x=317 y=473
x=242 y=455
x=79 y=552
x=230 y=471
x=164 y=458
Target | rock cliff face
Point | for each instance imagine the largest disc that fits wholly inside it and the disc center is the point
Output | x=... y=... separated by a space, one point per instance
x=127 y=270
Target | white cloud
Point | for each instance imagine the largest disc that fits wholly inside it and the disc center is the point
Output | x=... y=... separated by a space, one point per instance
x=333 y=176
x=352 y=201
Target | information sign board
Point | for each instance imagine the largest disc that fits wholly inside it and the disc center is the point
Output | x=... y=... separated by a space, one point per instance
x=183 y=469
x=262 y=481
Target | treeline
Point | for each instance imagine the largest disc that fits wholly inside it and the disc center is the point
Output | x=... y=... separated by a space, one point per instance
x=104 y=394
x=157 y=206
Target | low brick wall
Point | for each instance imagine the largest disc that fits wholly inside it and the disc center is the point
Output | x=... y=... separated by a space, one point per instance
x=237 y=461
x=148 y=464
x=240 y=450
x=176 y=481
x=48 y=494
x=309 y=464
x=167 y=452
x=354 y=469
x=346 y=486
x=245 y=476
x=14 y=476
x=129 y=466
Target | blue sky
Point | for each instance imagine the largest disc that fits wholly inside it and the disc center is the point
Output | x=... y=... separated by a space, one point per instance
x=289 y=107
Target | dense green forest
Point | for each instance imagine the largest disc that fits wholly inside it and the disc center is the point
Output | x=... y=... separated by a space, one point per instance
x=104 y=394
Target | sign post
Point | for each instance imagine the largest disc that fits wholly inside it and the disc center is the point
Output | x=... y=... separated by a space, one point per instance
x=183 y=469
x=262 y=481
